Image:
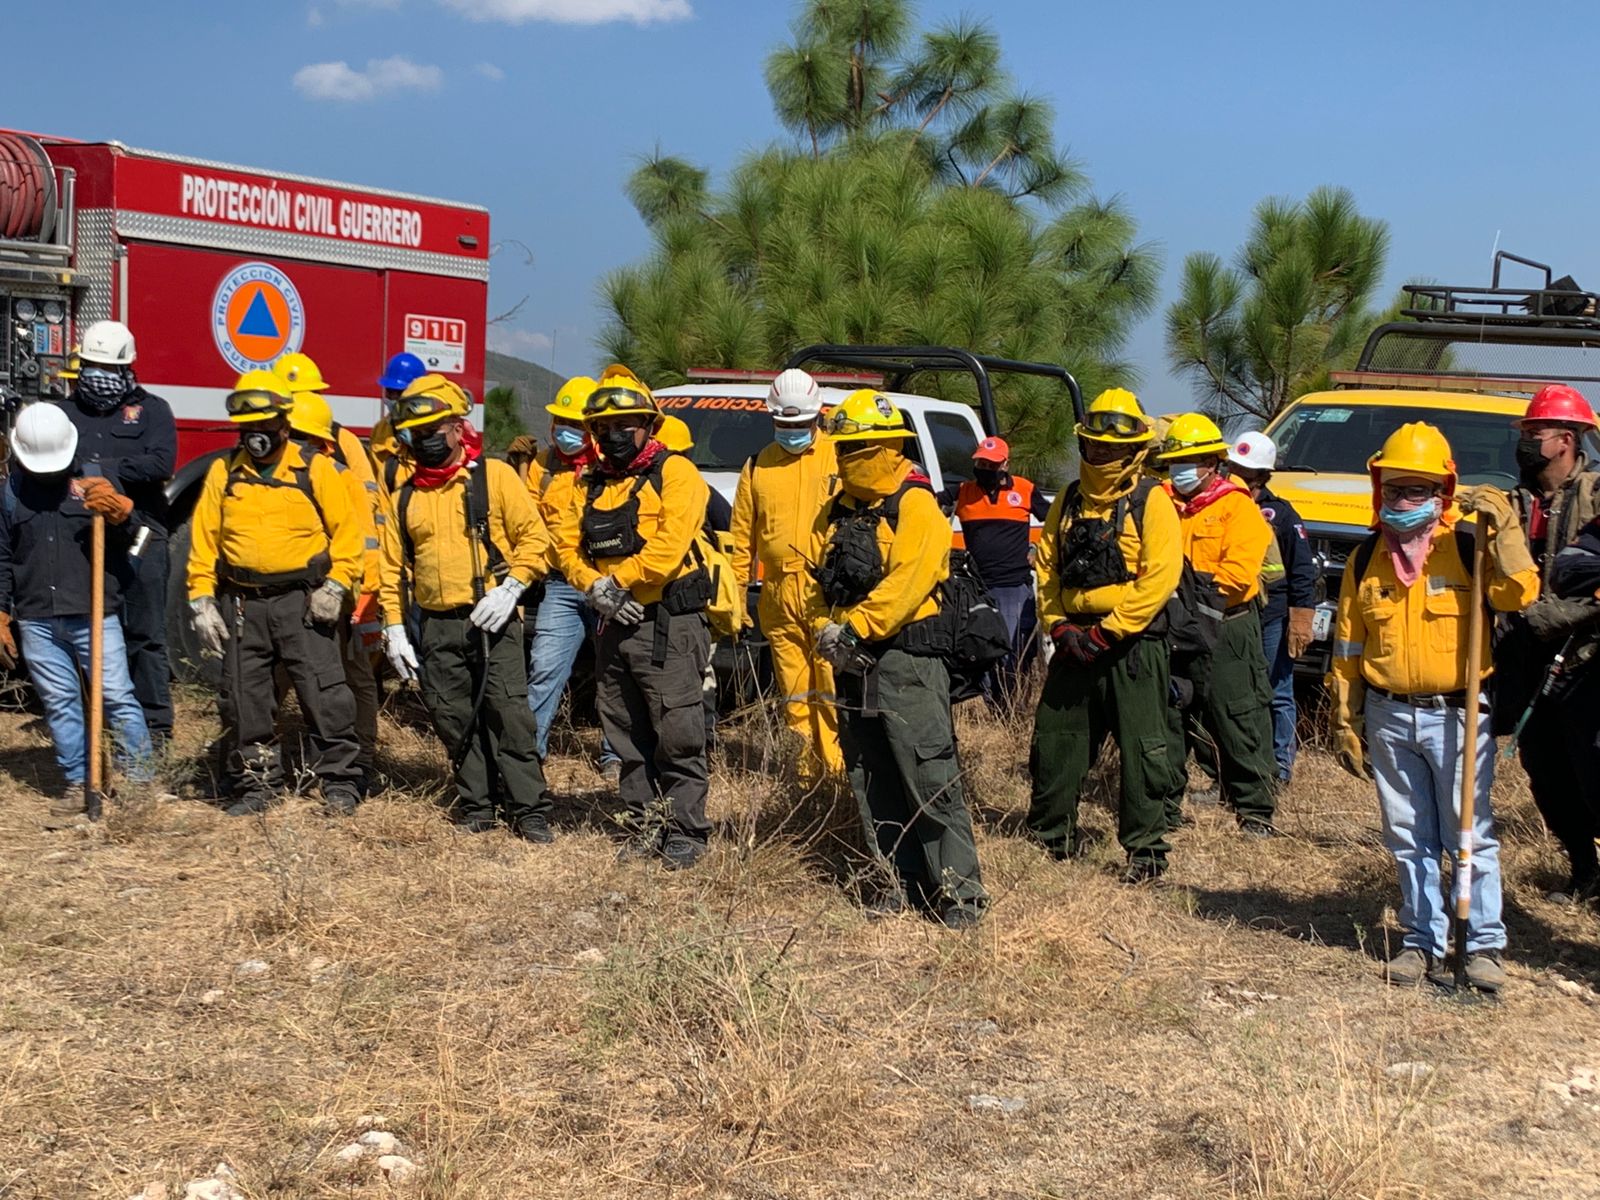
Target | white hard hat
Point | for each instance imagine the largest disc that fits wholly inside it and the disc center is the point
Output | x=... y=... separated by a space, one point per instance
x=795 y=398
x=107 y=344
x=1254 y=452
x=44 y=439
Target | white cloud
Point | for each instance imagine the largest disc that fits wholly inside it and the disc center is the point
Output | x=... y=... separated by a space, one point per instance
x=383 y=76
x=573 y=12
x=314 y=16
x=490 y=72
x=520 y=342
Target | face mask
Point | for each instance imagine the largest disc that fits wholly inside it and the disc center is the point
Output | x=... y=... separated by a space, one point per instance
x=259 y=444
x=1186 y=479
x=869 y=473
x=794 y=440
x=617 y=444
x=568 y=440
x=1408 y=520
x=102 y=388
x=987 y=478
x=432 y=449
x=1531 y=457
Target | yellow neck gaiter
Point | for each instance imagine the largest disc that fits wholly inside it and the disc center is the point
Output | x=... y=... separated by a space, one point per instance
x=1105 y=483
x=870 y=475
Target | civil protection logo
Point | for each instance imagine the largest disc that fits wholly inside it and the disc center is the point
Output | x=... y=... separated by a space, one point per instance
x=257 y=316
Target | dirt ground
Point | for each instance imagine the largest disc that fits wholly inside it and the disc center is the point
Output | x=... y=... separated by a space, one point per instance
x=179 y=989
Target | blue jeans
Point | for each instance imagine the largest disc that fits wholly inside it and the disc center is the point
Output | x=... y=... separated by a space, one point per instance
x=1416 y=761
x=1016 y=610
x=55 y=650
x=1280 y=678
x=564 y=620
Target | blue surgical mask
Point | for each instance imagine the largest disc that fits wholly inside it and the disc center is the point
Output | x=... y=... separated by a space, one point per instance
x=568 y=440
x=1186 y=479
x=1407 y=520
x=795 y=440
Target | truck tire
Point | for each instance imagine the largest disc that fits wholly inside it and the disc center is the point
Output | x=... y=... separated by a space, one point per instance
x=183 y=646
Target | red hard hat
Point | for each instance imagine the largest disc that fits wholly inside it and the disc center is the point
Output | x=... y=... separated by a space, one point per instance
x=1558 y=402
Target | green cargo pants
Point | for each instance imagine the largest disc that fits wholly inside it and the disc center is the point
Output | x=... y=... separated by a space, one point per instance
x=1233 y=704
x=901 y=760
x=1122 y=695
x=453 y=664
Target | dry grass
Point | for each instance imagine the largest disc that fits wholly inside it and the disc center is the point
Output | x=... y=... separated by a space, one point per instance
x=545 y=1022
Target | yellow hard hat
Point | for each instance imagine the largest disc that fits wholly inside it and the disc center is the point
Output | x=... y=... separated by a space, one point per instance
x=866 y=415
x=311 y=416
x=258 y=396
x=300 y=372
x=619 y=392
x=1414 y=449
x=675 y=435
x=1115 y=417
x=430 y=398
x=1192 y=434
x=569 y=401
x=69 y=369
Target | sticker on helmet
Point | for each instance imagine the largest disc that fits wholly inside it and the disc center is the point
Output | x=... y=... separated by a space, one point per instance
x=883 y=404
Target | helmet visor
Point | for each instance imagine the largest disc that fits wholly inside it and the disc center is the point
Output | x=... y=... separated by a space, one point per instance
x=1113 y=424
x=255 y=402
x=419 y=410
x=842 y=425
x=618 y=400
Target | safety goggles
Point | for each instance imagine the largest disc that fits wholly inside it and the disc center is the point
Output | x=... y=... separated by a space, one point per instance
x=1113 y=424
x=1415 y=493
x=618 y=400
x=840 y=425
x=419 y=410
x=255 y=402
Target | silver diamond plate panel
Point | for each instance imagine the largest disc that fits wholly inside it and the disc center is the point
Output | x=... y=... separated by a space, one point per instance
x=96 y=250
x=183 y=231
x=312 y=179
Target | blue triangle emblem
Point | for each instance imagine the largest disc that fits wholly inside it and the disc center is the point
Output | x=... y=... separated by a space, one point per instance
x=258 y=320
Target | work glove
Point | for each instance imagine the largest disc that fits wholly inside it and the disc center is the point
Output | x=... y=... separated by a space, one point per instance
x=8 y=644
x=401 y=656
x=631 y=612
x=1551 y=618
x=1300 y=622
x=208 y=623
x=524 y=445
x=840 y=646
x=606 y=596
x=1351 y=752
x=1490 y=503
x=1084 y=643
x=100 y=496
x=325 y=605
x=1508 y=547
x=495 y=609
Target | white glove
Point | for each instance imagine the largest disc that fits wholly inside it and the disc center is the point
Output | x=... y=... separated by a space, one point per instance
x=208 y=623
x=631 y=612
x=494 y=610
x=606 y=596
x=401 y=656
x=326 y=604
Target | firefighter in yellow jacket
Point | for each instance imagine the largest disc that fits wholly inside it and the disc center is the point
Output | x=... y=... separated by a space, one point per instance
x=275 y=559
x=886 y=550
x=1108 y=563
x=1225 y=539
x=628 y=545
x=311 y=424
x=781 y=490
x=1400 y=688
x=470 y=541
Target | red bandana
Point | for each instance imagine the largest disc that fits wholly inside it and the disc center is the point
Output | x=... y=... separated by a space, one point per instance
x=1219 y=487
x=433 y=477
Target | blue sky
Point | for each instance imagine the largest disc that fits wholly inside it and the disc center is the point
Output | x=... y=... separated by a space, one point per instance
x=1455 y=122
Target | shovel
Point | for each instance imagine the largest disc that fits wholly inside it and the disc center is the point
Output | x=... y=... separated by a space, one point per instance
x=93 y=782
x=1469 y=761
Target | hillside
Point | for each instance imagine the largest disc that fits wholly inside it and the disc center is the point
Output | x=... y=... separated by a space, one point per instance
x=535 y=385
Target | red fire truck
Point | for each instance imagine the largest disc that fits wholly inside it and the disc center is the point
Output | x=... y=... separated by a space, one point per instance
x=220 y=269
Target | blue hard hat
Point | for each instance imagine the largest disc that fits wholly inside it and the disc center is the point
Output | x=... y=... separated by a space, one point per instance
x=402 y=369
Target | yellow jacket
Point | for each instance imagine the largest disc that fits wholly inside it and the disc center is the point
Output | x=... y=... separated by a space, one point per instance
x=1228 y=540
x=775 y=509
x=1414 y=640
x=916 y=560
x=1154 y=555
x=554 y=491
x=266 y=523
x=441 y=572
x=668 y=522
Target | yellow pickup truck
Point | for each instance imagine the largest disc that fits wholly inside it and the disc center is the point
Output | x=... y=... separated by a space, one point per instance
x=1464 y=359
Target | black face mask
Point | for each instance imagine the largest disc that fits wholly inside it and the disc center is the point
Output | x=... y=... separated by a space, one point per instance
x=1531 y=457
x=618 y=446
x=260 y=444
x=987 y=478
x=431 y=449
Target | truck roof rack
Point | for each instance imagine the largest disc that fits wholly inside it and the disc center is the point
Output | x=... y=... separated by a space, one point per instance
x=1508 y=334
x=897 y=364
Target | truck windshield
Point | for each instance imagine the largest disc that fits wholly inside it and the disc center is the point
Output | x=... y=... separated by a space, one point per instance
x=728 y=430
x=1338 y=439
